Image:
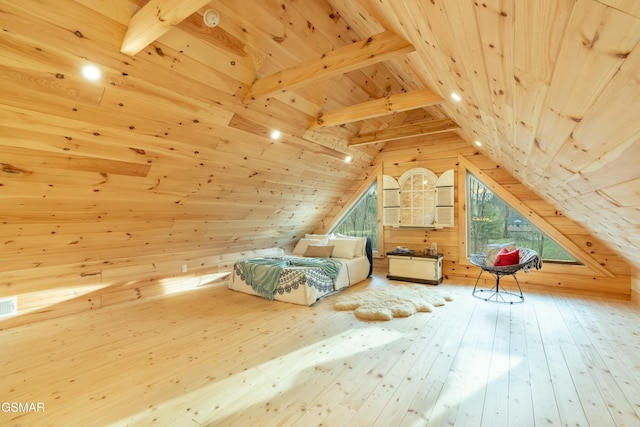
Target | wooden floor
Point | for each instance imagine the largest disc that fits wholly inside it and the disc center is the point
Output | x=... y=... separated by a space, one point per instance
x=216 y=357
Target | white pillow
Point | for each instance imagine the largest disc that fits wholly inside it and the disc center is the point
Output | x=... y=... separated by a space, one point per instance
x=344 y=248
x=318 y=236
x=301 y=247
x=362 y=241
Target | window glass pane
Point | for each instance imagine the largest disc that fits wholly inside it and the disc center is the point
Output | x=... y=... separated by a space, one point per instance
x=491 y=220
x=417 y=199
x=362 y=219
x=416 y=181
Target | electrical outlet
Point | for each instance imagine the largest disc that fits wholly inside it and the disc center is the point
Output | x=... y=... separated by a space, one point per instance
x=184 y=268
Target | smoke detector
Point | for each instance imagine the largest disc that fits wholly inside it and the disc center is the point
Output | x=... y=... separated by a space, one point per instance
x=211 y=18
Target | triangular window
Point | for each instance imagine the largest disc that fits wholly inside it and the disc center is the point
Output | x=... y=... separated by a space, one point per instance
x=362 y=219
x=491 y=220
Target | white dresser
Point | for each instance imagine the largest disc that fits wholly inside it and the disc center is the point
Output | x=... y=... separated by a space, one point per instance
x=415 y=268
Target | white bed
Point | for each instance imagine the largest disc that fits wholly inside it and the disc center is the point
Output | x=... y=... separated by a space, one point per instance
x=306 y=285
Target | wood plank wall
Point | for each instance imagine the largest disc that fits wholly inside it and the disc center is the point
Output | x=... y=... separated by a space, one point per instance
x=439 y=153
x=108 y=188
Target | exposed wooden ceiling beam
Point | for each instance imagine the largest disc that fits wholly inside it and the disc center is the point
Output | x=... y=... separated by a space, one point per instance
x=154 y=19
x=417 y=128
x=377 y=108
x=377 y=48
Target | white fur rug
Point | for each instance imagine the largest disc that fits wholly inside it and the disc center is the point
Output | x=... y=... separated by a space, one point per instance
x=392 y=301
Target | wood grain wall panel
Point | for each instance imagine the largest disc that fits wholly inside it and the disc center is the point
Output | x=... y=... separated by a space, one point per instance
x=588 y=50
x=556 y=45
x=271 y=30
x=530 y=95
x=396 y=158
x=120 y=12
x=474 y=87
x=76 y=277
x=629 y=6
x=57 y=140
x=497 y=47
x=239 y=66
x=538 y=28
x=51 y=160
x=98 y=163
x=18 y=85
x=71 y=17
x=160 y=163
x=612 y=169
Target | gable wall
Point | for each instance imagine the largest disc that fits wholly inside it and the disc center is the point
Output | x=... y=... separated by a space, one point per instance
x=440 y=153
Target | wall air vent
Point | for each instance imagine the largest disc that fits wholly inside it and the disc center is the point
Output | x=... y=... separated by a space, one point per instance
x=8 y=306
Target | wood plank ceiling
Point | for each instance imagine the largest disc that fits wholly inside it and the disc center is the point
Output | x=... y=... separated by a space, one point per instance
x=174 y=142
x=515 y=64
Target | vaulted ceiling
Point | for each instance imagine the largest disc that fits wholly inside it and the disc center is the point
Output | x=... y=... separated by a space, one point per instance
x=183 y=114
x=550 y=89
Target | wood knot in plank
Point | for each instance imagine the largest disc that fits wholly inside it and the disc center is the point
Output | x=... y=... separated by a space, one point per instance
x=89 y=274
x=590 y=43
x=7 y=168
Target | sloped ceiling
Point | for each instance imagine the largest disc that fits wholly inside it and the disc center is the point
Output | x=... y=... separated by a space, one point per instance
x=177 y=132
x=550 y=89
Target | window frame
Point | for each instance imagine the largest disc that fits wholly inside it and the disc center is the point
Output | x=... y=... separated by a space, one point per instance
x=375 y=176
x=425 y=203
x=588 y=262
x=468 y=219
x=353 y=206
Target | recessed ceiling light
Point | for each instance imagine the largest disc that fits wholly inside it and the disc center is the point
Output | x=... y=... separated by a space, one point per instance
x=348 y=159
x=276 y=134
x=91 y=72
x=456 y=97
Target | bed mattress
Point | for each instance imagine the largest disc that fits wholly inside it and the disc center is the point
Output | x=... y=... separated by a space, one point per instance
x=306 y=285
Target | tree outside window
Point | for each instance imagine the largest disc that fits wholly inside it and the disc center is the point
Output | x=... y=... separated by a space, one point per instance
x=362 y=218
x=491 y=220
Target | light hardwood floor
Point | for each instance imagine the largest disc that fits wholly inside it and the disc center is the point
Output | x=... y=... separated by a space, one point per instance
x=216 y=357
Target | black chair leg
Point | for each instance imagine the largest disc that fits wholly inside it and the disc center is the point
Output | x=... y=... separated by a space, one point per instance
x=497 y=294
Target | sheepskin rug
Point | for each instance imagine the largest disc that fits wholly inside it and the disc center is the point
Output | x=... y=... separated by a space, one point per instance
x=392 y=301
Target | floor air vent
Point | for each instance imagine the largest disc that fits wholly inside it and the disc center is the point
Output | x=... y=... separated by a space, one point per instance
x=7 y=306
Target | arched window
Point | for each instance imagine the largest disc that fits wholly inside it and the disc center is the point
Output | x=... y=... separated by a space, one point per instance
x=417 y=197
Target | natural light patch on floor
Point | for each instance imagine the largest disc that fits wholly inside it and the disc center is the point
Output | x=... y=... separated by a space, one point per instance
x=174 y=285
x=283 y=375
x=32 y=301
x=468 y=384
x=71 y=299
